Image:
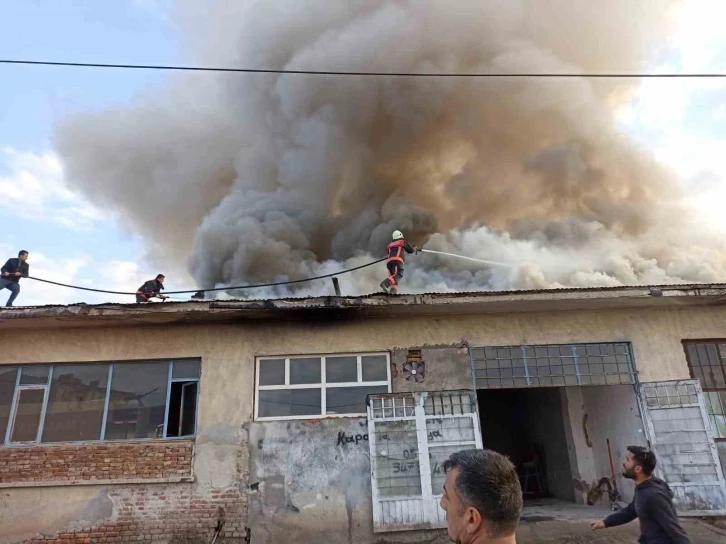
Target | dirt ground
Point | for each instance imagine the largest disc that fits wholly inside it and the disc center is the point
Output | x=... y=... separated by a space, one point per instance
x=564 y=523
x=568 y=532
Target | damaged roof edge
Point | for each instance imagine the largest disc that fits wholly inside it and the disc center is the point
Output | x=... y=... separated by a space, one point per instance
x=378 y=305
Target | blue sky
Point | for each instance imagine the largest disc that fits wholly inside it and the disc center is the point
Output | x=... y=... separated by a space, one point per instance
x=683 y=122
x=69 y=239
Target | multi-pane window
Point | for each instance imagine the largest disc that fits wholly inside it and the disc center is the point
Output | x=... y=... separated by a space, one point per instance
x=98 y=401
x=553 y=365
x=317 y=386
x=411 y=436
x=707 y=362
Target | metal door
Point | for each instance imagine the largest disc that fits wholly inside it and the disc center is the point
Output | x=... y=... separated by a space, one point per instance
x=411 y=435
x=677 y=424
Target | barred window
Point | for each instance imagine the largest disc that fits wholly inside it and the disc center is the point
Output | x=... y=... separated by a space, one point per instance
x=553 y=365
x=707 y=363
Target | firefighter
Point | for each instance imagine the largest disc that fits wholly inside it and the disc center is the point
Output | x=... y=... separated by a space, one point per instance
x=151 y=289
x=397 y=250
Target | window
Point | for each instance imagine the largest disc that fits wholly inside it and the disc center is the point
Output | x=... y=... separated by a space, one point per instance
x=317 y=386
x=707 y=363
x=553 y=365
x=411 y=435
x=98 y=401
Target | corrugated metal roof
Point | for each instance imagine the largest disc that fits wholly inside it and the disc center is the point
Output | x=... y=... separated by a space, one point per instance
x=434 y=294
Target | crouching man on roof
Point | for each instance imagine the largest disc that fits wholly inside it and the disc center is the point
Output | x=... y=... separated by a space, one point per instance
x=11 y=272
x=151 y=289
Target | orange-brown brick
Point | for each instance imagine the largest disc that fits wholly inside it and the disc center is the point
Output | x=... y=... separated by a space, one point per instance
x=108 y=461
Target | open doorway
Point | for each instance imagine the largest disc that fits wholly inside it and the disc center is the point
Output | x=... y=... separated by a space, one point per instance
x=564 y=440
x=527 y=425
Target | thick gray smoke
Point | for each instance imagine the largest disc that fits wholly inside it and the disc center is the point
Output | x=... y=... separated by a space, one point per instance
x=265 y=177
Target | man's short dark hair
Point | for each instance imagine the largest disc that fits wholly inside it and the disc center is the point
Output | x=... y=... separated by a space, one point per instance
x=22 y=252
x=159 y=276
x=644 y=457
x=488 y=482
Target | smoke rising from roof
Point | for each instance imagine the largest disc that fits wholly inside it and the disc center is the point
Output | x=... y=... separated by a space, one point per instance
x=256 y=177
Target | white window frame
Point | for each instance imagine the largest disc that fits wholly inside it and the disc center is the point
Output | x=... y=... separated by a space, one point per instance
x=415 y=512
x=323 y=385
x=19 y=388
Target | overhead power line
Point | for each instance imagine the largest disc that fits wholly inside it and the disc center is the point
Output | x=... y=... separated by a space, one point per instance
x=561 y=75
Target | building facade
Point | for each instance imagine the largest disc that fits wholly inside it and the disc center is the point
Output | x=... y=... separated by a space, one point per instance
x=306 y=419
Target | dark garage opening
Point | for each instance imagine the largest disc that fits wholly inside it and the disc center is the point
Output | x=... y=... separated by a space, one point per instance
x=527 y=425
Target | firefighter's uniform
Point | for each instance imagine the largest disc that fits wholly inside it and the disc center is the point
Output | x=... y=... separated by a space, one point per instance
x=397 y=250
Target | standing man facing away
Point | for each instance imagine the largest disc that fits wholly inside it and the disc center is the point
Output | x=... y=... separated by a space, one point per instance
x=652 y=504
x=151 y=289
x=12 y=271
x=396 y=252
x=482 y=498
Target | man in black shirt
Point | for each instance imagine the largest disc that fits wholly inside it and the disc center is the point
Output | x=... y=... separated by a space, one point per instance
x=151 y=289
x=12 y=271
x=652 y=505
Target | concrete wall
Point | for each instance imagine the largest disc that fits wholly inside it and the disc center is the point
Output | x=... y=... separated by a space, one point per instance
x=304 y=474
x=220 y=462
x=226 y=400
x=446 y=369
x=612 y=413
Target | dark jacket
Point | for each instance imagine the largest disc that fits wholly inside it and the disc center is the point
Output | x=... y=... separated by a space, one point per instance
x=151 y=288
x=653 y=506
x=13 y=266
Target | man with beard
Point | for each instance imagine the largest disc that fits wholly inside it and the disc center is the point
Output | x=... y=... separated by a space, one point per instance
x=652 y=504
x=482 y=498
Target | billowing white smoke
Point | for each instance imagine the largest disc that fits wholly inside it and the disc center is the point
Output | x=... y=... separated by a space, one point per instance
x=267 y=177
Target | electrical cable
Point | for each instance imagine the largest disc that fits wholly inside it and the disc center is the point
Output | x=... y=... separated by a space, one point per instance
x=599 y=75
x=230 y=288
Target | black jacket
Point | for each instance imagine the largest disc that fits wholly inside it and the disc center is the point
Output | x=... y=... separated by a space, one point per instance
x=151 y=288
x=13 y=266
x=653 y=506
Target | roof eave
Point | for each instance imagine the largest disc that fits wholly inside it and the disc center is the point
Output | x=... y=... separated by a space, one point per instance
x=372 y=306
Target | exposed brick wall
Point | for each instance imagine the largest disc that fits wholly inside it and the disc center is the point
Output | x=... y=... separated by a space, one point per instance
x=107 y=461
x=162 y=512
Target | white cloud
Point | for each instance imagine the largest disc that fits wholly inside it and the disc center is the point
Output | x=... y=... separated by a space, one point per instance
x=122 y=276
x=658 y=115
x=34 y=188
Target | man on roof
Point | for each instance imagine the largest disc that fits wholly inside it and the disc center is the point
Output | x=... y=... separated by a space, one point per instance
x=396 y=250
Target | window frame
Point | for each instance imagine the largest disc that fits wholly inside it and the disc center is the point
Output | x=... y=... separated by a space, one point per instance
x=419 y=511
x=323 y=385
x=14 y=406
x=6 y=439
x=708 y=342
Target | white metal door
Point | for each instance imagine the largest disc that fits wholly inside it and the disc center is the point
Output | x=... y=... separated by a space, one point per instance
x=410 y=437
x=677 y=424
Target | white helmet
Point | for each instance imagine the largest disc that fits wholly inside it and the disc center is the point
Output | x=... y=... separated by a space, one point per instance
x=397 y=235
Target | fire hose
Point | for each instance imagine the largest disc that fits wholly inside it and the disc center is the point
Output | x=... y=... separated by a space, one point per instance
x=274 y=284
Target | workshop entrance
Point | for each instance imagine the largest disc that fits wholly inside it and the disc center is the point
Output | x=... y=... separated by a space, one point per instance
x=565 y=415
